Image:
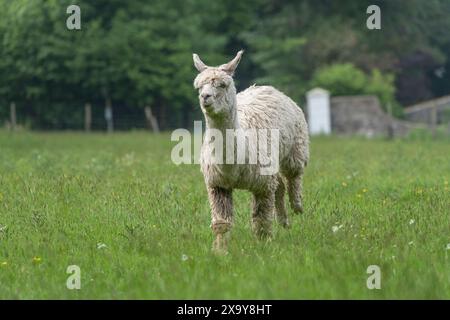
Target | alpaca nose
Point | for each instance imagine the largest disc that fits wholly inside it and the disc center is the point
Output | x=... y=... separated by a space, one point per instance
x=205 y=96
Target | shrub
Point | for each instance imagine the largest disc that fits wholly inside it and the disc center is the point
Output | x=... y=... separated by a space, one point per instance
x=346 y=79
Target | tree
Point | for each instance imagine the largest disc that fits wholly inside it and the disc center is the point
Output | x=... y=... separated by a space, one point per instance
x=139 y=53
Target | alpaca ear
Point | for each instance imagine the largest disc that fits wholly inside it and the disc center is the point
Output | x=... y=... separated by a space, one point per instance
x=231 y=66
x=199 y=63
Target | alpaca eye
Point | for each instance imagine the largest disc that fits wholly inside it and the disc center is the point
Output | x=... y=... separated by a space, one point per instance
x=222 y=85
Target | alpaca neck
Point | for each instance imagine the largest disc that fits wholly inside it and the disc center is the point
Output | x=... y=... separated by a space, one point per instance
x=223 y=122
x=220 y=124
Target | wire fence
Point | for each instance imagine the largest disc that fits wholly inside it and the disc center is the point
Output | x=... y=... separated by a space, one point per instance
x=95 y=118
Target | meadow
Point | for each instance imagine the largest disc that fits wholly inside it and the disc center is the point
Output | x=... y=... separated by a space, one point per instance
x=138 y=226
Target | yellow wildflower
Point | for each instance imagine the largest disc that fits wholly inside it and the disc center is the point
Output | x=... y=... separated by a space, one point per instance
x=37 y=260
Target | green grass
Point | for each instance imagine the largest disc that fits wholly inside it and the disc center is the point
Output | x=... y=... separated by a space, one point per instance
x=61 y=194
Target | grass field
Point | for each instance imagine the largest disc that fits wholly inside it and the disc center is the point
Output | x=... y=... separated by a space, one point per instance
x=138 y=226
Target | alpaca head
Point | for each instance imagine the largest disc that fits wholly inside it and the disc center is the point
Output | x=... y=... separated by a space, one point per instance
x=217 y=93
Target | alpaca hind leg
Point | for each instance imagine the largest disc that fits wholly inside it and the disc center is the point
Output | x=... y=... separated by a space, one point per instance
x=295 y=193
x=263 y=207
x=280 y=208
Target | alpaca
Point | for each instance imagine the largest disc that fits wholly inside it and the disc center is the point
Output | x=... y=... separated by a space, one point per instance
x=257 y=107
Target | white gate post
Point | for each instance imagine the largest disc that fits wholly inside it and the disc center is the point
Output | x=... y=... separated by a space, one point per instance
x=319 y=119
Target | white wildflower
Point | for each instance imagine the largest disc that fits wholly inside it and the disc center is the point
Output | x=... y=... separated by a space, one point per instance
x=101 y=245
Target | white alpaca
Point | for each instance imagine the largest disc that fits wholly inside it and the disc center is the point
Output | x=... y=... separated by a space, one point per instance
x=258 y=107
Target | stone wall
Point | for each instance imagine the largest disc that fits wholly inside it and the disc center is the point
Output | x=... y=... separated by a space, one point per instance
x=363 y=115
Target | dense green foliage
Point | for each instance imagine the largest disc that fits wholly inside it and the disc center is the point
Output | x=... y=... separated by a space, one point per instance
x=346 y=79
x=138 y=226
x=138 y=53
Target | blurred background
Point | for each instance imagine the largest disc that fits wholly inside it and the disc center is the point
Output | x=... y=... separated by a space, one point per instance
x=130 y=65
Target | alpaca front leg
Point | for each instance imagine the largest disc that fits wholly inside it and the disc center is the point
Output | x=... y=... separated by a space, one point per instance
x=263 y=206
x=221 y=201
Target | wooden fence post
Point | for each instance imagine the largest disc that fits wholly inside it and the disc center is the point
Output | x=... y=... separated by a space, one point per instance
x=434 y=120
x=151 y=120
x=87 y=117
x=391 y=132
x=13 y=116
x=109 y=115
